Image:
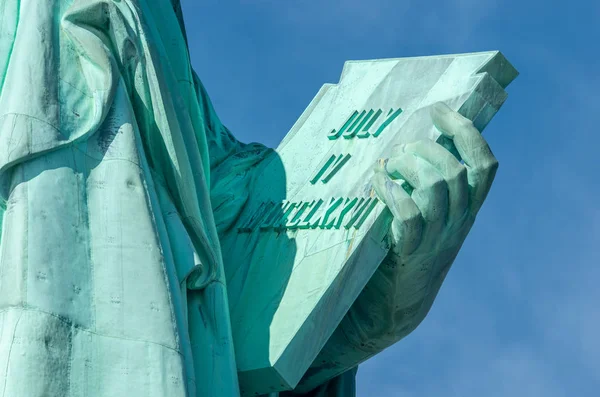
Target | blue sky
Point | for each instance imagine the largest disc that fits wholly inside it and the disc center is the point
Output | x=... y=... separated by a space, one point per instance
x=519 y=312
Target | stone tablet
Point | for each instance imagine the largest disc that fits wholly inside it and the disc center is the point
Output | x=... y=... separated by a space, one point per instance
x=315 y=221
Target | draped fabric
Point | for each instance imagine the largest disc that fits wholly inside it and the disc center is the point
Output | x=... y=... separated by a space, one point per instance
x=111 y=279
x=116 y=179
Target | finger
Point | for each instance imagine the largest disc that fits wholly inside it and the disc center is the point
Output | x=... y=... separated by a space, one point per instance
x=453 y=172
x=407 y=226
x=430 y=189
x=472 y=147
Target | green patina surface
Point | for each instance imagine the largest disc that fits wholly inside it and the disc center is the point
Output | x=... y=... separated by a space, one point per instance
x=147 y=252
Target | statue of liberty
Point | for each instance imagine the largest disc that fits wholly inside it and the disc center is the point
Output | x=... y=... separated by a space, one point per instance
x=119 y=185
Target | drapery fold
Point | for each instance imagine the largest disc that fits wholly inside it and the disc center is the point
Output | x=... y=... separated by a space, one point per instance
x=117 y=178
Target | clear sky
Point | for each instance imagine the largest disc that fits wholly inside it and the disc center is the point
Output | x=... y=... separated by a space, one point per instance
x=519 y=312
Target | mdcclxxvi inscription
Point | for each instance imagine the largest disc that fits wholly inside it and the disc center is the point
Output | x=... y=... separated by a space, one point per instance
x=288 y=215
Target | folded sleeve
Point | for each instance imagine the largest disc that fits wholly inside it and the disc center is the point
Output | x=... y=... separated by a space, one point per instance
x=232 y=164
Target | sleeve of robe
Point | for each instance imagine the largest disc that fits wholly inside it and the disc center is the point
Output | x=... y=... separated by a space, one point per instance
x=104 y=164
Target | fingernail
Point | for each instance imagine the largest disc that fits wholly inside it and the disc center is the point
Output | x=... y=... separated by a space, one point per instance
x=400 y=148
x=380 y=165
x=439 y=115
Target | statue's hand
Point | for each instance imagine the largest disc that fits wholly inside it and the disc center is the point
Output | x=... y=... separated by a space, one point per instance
x=434 y=199
x=431 y=222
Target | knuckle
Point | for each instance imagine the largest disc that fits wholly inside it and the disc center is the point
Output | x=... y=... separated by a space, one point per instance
x=489 y=167
x=491 y=164
x=410 y=212
x=412 y=219
x=458 y=174
x=438 y=186
x=465 y=123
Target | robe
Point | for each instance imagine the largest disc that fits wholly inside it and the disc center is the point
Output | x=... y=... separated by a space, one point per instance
x=116 y=179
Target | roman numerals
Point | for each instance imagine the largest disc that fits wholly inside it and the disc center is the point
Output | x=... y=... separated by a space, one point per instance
x=335 y=213
x=330 y=168
x=327 y=214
